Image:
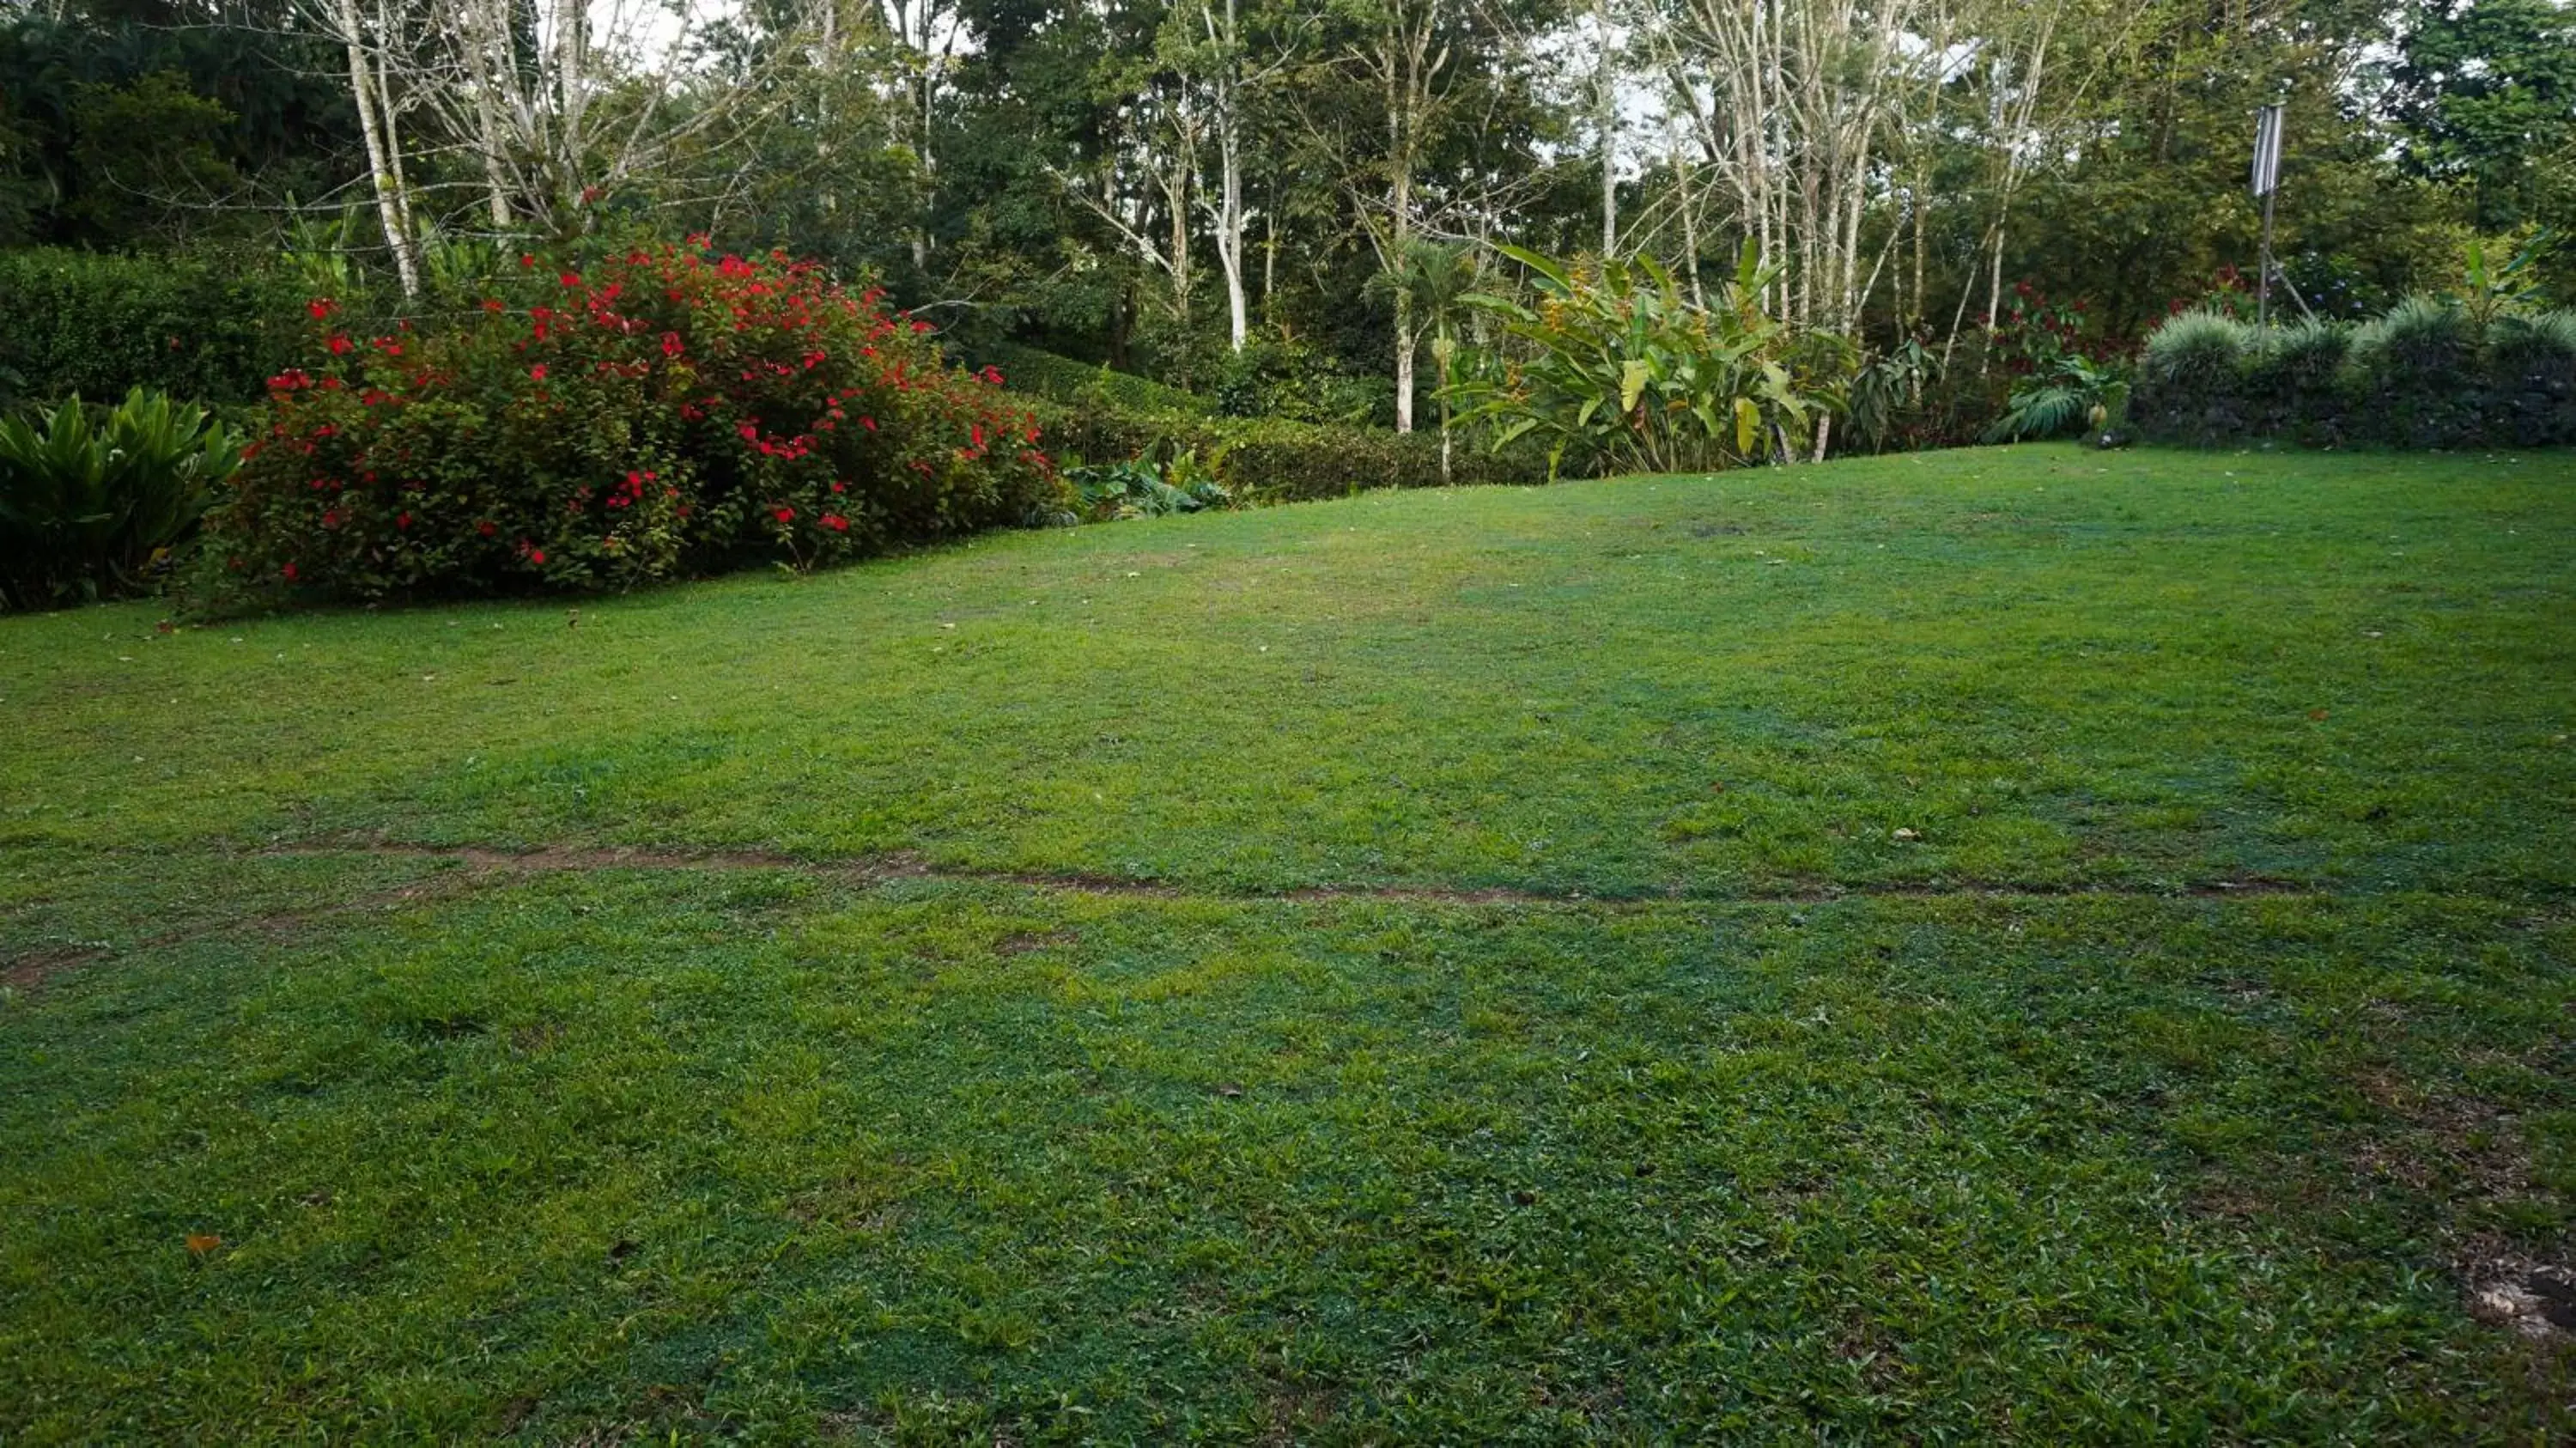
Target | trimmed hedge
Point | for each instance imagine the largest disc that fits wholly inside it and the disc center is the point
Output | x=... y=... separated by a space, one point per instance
x=2422 y=376
x=1274 y=460
x=1058 y=377
x=101 y=325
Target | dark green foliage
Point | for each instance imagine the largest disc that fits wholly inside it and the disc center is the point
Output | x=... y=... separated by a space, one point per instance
x=2291 y=382
x=121 y=129
x=212 y=328
x=1278 y=377
x=2531 y=379
x=90 y=506
x=2482 y=92
x=2426 y=374
x=2413 y=376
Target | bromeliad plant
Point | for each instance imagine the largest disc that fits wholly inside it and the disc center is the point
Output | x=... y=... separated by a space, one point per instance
x=656 y=413
x=1616 y=370
x=92 y=507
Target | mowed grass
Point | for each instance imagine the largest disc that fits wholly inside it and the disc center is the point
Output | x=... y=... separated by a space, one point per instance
x=1993 y=946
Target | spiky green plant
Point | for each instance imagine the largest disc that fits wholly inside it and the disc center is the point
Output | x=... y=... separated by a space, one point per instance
x=2533 y=337
x=2195 y=349
x=90 y=507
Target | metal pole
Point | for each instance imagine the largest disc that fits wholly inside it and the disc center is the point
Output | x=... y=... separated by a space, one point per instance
x=2263 y=285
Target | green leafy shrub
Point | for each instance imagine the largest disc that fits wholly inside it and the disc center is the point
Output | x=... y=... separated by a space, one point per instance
x=2414 y=376
x=1138 y=489
x=97 y=325
x=2072 y=393
x=1614 y=368
x=91 y=506
x=1274 y=376
x=654 y=414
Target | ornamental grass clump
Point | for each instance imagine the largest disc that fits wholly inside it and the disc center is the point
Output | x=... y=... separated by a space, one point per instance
x=654 y=414
x=2190 y=384
x=2414 y=377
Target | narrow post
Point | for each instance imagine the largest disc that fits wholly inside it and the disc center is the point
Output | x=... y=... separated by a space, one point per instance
x=2263 y=285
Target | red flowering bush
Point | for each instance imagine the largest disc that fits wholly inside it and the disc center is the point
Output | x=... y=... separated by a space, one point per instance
x=653 y=414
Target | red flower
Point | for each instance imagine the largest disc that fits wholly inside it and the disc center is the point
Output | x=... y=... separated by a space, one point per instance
x=321 y=307
x=570 y=279
x=835 y=521
x=671 y=344
x=289 y=571
x=538 y=372
x=487 y=528
x=491 y=304
x=338 y=344
x=786 y=515
x=536 y=555
x=402 y=520
x=527 y=261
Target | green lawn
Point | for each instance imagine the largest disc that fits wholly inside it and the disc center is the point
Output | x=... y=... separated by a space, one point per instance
x=1991 y=946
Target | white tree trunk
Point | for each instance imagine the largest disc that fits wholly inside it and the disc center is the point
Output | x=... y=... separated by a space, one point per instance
x=381 y=140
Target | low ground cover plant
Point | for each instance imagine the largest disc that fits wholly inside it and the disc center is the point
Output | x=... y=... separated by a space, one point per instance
x=93 y=501
x=657 y=412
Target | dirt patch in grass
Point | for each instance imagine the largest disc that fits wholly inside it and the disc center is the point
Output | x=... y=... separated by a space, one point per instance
x=29 y=969
x=875 y=869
